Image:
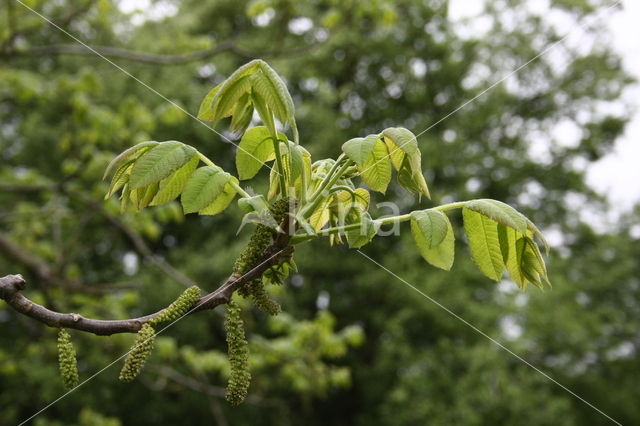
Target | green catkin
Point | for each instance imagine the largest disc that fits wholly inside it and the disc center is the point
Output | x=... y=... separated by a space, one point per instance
x=238 y=348
x=179 y=307
x=138 y=354
x=261 y=299
x=67 y=360
x=261 y=238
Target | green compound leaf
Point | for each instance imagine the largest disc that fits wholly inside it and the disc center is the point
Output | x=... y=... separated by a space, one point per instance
x=204 y=186
x=371 y=156
x=499 y=212
x=482 y=233
x=255 y=149
x=159 y=162
x=433 y=235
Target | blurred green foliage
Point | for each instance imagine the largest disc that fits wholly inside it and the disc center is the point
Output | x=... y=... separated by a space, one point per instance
x=355 y=346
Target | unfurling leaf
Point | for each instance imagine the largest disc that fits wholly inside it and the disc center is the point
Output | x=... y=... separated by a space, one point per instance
x=433 y=234
x=253 y=85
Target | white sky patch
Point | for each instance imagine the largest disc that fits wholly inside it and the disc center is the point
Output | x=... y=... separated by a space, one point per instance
x=299 y=26
x=617 y=174
x=145 y=10
x=511 y=329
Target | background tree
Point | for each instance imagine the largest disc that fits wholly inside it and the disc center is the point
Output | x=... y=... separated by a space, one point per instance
x=353 y=69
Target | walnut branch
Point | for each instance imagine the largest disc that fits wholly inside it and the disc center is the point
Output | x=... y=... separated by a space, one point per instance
x=11 y=285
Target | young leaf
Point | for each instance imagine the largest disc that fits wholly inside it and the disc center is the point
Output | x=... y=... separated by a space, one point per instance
x=499 y=212
x=321 y=214
x=124 y=198
x=206 y=111
x=298 y=168
x=529 y=267
x=400 y=142
x=432 y=224
x=433 y=235
x=482 y=233
x=145 y=194
x=511 y=256
x=242 y=115
x=159 y=162
x=263 y=111
x=205 y=185
x=128 y=156
x=255 y=149
x=223 y=102
x=274 y=184
x=533 y=257
x=402 y=148
x=120 y=178
x=370 y=154
x=222 y=201
x=358 y=237
x=411 y=180
x=172 y=186
x=269 y=84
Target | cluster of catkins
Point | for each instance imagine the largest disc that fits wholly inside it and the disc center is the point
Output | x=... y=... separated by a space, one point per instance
x=238 y=347
x=237 y=344
x=141 y=349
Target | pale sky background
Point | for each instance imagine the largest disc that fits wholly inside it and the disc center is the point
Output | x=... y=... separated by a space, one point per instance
x=618 y=173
